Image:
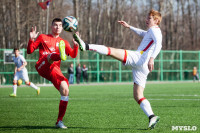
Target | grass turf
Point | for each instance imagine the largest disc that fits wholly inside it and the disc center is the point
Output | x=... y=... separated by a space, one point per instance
x=100 y=108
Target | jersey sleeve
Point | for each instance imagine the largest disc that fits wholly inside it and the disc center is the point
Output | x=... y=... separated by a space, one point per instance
x=69 y=51
x=33 y=45
x=157 y=38
x=22 y=58
x=140 y=32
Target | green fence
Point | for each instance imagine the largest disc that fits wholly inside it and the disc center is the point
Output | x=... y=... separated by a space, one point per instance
x=169 y=66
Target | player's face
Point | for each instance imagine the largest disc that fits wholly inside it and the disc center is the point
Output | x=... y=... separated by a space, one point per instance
x=150 y=21
x=16 y=53
x=56 y=28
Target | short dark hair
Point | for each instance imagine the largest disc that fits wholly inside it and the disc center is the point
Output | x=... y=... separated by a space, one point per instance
x=16 y=48
x=56 y=20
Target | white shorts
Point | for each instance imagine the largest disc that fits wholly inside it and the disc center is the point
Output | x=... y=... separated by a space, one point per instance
x=139 y=65
x=23 y=74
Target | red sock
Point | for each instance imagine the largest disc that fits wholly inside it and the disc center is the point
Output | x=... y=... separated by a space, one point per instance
x=62 y=110
x=55 y=56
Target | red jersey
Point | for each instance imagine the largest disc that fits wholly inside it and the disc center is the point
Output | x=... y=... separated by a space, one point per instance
x=48 y=44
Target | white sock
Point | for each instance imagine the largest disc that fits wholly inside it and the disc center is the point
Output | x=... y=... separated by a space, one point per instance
x=146 y=107
x=64 y=98
x=101 y=49
x=15 y=89
x=33 y=86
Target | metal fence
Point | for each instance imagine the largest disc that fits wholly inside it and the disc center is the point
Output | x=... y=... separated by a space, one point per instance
x=169 y=66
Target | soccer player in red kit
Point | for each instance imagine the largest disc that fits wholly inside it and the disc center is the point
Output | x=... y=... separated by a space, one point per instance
x=53 y=49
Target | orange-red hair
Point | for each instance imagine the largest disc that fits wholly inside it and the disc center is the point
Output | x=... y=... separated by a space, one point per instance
x=156 y=15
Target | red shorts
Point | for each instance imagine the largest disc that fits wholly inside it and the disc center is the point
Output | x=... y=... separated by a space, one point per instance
x=51 y=72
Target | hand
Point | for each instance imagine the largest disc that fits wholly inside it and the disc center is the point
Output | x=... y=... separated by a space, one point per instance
x=151 y=64
x=77 y=33
x=33 y=33
x=75 y=43
x=124 y=24
x=18 y=69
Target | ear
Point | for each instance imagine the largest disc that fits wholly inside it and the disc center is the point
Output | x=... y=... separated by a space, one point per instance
x=156 y=21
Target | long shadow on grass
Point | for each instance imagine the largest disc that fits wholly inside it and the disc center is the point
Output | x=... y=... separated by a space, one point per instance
x=104 y=128
x=26 y=127
x=6 y=128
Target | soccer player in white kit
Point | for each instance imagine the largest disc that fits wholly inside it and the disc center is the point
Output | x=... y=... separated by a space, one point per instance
x=142 y=60
x=21 y=73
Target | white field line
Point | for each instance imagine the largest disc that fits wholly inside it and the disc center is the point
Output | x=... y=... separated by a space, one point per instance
x=111 y=83
x=92 y=99
x=174 y=99
x=166 y=95
x=176 y=95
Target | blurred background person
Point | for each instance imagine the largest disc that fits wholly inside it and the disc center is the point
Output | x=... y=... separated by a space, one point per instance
x=78 y=73
x=195 y=74
x=71 y=74
x=85 y=75
x=101 y=76
x=21 y=72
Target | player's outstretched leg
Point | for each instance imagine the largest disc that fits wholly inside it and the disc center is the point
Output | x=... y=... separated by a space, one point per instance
x=63 y=56
x=81 y=43
x=101 y=49
x=119 y=54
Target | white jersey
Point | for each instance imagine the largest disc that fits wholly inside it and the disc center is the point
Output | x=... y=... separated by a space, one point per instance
x=22 y=74
x=19 y=61
x=152 y=41
x=149 y=47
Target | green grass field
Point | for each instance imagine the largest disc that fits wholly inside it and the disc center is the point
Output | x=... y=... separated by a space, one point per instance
x=100 y=108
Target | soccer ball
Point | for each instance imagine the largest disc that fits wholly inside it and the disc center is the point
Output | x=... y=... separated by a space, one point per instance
x=70 y=24
x=19 y=82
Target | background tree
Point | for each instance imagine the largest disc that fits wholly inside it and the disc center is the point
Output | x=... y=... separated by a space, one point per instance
x=98 y=21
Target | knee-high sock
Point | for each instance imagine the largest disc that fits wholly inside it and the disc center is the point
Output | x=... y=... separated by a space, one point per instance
x=62 y=107
x=145 y=106
x=33 y=85
x=15 y=89
x=101 y=49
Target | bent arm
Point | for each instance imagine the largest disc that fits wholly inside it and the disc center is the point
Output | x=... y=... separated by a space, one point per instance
x=69 y=51
x=24 y=64
x=30 y=48
x=15 y=70
x=157 y=38
x=33 y=45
